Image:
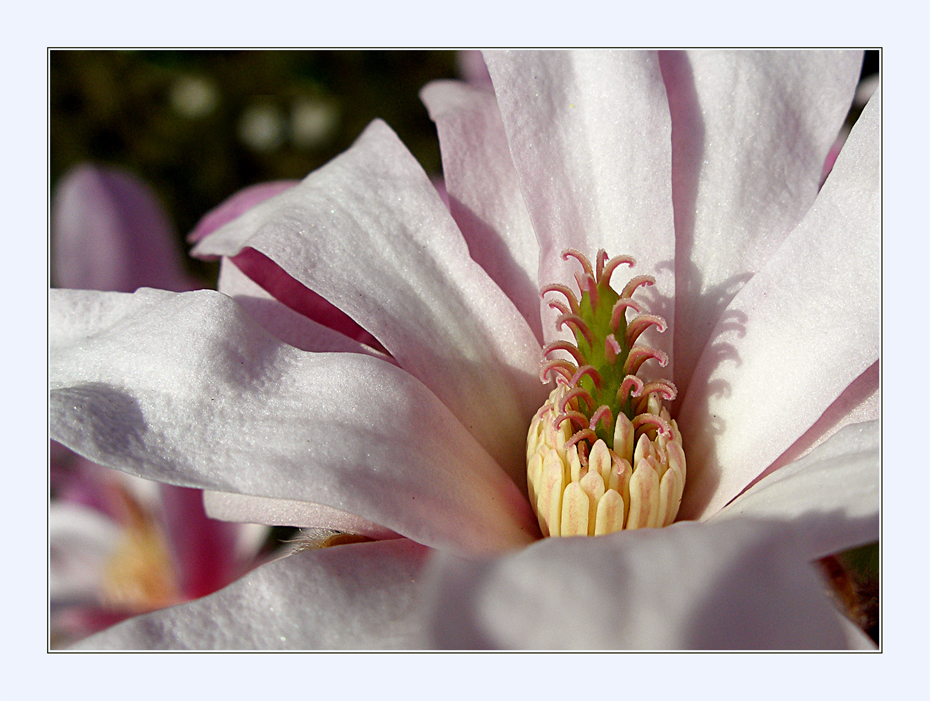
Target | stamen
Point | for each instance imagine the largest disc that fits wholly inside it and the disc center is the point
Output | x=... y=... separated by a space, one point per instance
x=641 y=323
x=580 y=257
x=576 y=322
x=631 y=386
x=611 y=265
x=639 y=355
x=586 y=370
x=566 y=346
x=563 y=367
x=639 y=281
x=661 y=424
x=561 y=289
x=620 y=309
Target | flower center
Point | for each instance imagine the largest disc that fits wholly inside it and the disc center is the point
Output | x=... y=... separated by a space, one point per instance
x=602 y=453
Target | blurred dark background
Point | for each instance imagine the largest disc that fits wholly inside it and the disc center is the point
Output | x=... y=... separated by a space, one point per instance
x=198 y=126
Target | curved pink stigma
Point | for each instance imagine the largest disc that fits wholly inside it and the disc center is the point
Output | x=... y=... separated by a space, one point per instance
x=580 y=257
x=564 y=290
x=603 y=276
x=559 y=306
x=601 y=260
x=566 y=346
x=638 y=281
x=562 y=367
x=576 y=322
x=581 y=435
x=603 y=413
x=631 y=386
x=611 y=348
x=586 y=282
x=639 y=355
x=620 y=309
x=663 y=387
x=570 y=415
x=658 y=422
x=588 y=370
x=641 y=323
x=575 y=393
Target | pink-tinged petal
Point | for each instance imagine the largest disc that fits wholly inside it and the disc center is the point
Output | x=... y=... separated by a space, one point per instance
x=484 y=190
x=831 y=495
x=590 y=136
x=794 y=338
x=235 y=206
x=279 y=285
x=727 y=586
x=109 y=232
x=292 y=327
x=361 y=596
x=860 y=402
x=204 y=549
x=369 y=233
x=242 y=508
x=750 y=132
x=187 y=389
x=473 y=69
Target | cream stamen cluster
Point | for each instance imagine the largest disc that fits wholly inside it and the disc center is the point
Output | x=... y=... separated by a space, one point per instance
x=603 y=453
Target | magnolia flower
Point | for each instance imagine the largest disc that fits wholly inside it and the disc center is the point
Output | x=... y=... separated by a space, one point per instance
x=404 y=420
x=120 y=545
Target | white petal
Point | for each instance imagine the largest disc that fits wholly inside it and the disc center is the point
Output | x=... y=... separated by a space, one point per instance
x=359 y=596
x=728 y=586
x=794 y=338
x=186 y=389
x=750 y=131
x=369 y=233
x=282 y=322
x=242 y=508
x=831 y=495
x=590 y=136
x=484 y=190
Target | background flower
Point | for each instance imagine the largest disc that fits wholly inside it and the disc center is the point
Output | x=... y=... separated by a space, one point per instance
x=120 y=545
x=444 y=416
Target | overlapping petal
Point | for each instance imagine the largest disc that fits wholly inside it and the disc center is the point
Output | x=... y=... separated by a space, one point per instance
x=690 y=586
x=369 y=233
x=361 y=596
x=794 y=338
x=831 y=495
x=186 y=389
x=750 y=132
x=484 y=191
x=590 y=136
